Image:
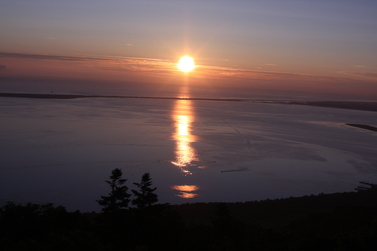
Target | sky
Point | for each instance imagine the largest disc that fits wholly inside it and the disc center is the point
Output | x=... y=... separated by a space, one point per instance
x=319 y=48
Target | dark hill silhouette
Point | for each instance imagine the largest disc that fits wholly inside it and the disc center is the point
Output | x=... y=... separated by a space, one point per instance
x=278 y=212
x=340 y=221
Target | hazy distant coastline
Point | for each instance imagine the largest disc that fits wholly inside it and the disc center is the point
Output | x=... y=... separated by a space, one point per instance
x=76 y=96
x=355 y=105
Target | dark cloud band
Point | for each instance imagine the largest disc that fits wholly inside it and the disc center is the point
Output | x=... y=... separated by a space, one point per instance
x=48 y=57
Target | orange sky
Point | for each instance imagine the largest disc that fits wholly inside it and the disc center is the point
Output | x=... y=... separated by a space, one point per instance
x=157 y=71
x=321 y=47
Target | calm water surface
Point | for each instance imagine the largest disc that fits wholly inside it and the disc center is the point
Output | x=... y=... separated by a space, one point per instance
x=62 y=151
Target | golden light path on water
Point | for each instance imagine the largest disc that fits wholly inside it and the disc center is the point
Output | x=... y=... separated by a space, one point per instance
x=186 y=191
x=185 y=155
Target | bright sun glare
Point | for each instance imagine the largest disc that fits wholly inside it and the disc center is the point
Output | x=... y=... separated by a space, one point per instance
x=186 y=64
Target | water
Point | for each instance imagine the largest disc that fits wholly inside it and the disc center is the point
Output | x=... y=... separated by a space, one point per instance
x=62 y=151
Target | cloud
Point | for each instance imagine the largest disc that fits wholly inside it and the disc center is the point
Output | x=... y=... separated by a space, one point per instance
x=2 y=67
x=362 y=74
x=46 y=57
x=245 y=73
x=105 y=63
x=360 y=66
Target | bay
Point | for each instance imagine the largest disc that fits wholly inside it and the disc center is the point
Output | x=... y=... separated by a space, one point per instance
x=62 y=151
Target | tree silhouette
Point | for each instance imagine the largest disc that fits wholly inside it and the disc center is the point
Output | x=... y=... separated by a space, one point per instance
x=118 y=198
x=145 y=197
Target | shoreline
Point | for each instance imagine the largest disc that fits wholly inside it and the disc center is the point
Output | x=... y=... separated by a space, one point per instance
x=78 y=96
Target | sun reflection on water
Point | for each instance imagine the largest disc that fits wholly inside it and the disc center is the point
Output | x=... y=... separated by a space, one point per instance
x=185 y=154
x=186 y=191
x=186 y=157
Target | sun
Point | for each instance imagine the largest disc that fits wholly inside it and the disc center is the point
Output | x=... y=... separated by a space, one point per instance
x=186 y=64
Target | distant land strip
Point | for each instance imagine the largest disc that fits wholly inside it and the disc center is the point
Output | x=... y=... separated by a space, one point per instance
x=365 y=106
x=366 y=127
x=77 y=96
x=355 y=105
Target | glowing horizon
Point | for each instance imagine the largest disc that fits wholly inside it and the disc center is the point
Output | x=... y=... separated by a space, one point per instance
x=312 y=48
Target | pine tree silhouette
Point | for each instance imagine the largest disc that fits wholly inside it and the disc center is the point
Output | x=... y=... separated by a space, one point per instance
x=118 y=198
x=145 y=197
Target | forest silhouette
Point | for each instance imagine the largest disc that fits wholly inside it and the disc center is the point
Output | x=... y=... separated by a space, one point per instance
x=136 y=221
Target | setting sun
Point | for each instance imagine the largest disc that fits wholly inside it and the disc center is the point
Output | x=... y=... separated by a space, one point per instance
x=186 y=64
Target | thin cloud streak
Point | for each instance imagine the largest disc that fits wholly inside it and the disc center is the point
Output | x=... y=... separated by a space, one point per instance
x=362 y=74
x=46 y=57
x=107 y=63
x=220 y=72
